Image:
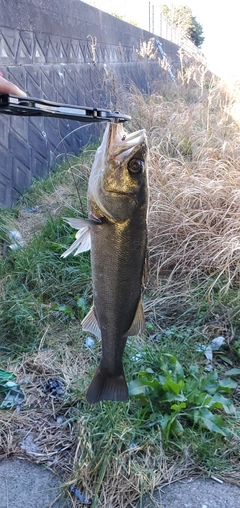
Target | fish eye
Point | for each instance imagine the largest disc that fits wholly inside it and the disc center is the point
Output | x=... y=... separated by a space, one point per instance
x=135 y=165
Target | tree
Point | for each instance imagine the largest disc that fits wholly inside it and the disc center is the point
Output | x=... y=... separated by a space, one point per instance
x=196 y=32
x=183 y=18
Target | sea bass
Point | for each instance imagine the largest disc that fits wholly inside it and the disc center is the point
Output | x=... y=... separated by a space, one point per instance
x=116 y=232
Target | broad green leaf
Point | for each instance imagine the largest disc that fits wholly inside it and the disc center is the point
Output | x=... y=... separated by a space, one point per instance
x=144 y=386
x=154 y=416
x=181 y=384
x=145 y=374
x=196 y=415
x=214 y=423
x=163 y=366
x=227 y=384
x=178 y=368
x=161 y=380
x=149 y=371
x=191 y=389
x=223 y=403
x=194 y=371
x=81 y=303
x=177 y=427
x=225 y=358
x=172 y=397
x=138 y=387
x=169 y=383
x=202 y=399
x=164 y=422
x=209 y=383
x=63 y=308
x=233 y=372
x=178 y=407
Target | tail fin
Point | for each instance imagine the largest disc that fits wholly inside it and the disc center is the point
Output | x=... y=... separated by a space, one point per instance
x=105 y=386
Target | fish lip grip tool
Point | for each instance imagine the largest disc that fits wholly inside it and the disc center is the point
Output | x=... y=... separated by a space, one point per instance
x=30 y=106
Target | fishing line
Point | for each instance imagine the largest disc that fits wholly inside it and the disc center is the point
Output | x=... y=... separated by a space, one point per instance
x=70 y=165
x=69 y=162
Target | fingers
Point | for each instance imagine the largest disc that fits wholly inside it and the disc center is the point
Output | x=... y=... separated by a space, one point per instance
x=9 y=88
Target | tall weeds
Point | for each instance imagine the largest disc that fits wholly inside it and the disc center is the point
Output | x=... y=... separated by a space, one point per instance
x=194 y=217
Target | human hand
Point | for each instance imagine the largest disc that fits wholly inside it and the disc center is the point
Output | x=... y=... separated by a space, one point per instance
x=9 y=88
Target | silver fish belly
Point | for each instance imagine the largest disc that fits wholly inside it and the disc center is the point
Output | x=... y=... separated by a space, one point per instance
x=117 y=231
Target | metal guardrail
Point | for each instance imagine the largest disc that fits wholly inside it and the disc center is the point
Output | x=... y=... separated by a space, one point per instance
x=162 y=27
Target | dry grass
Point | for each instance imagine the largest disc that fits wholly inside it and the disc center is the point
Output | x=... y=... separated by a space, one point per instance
x=43 y=429
x=194 y=217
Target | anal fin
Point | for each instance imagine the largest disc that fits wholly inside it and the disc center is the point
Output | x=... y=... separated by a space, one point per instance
x=138 y=324
x=90 y=324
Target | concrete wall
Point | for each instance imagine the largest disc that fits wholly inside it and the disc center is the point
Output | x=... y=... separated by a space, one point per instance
x=65 y=51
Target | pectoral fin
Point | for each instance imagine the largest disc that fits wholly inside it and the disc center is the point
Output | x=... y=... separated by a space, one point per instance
x=76 y=223
x=82 y=242
x=83 y=236
x=90 y=324
x=138 y=324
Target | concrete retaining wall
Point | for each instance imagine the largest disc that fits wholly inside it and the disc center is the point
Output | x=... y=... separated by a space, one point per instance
x=65 y=51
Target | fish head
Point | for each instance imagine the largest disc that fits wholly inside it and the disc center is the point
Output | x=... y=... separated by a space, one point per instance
x=118 y=180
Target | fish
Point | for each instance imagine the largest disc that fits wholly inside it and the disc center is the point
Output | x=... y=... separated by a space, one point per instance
x=116 y=233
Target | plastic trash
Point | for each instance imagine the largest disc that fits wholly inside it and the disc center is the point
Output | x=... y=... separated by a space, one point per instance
x=208 y=349
x=80 y=496
x=16 y=238
x=10 y=393
x=89 y=342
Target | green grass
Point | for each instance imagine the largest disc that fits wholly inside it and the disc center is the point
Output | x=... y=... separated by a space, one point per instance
x=34 y=277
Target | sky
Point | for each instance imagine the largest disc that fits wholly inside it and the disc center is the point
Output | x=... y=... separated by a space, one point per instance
x=220 y=22
x=221 y=27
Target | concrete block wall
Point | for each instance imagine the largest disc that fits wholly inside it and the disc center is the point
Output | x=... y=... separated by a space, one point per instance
x=67 y=52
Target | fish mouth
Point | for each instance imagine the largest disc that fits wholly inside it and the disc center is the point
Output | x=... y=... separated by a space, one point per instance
x=122 y=144
x=110 y=177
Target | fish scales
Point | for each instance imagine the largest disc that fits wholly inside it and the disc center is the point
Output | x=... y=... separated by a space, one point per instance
x=117 y=209
x=117 y=282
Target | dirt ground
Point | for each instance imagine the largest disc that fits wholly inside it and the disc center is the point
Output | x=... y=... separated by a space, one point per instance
x=27 y=485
